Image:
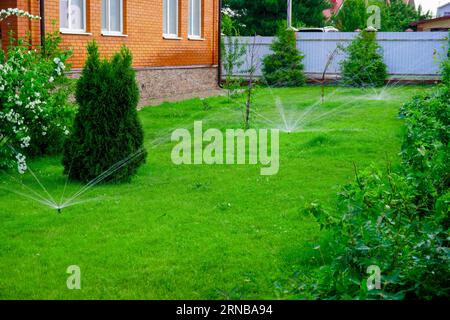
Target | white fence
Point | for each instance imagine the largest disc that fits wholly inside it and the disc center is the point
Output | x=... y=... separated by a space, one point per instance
x=412 y=55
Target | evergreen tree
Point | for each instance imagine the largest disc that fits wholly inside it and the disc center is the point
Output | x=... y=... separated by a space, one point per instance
x=364 y=65
x=107 y=132
x=284 y=67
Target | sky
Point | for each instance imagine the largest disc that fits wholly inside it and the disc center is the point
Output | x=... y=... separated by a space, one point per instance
x=431 y=4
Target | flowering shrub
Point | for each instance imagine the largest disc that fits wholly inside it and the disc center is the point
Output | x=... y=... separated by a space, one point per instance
x=32 y=107
x=5 y=13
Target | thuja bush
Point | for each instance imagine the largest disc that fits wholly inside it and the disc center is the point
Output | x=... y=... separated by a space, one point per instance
x=284 y=68
x=33 y=111
x=107 y=137
x=397 y=220
x=364 y=65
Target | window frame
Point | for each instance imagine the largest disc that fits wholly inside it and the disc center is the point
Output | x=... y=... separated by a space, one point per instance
x=166 y=21
x=69 y=29
x=191 y=20
x=108 y=20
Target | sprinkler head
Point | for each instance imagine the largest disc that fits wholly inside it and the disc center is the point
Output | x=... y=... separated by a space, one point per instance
x=59 y=210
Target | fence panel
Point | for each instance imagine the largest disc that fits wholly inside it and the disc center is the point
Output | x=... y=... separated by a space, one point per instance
x=406 y=54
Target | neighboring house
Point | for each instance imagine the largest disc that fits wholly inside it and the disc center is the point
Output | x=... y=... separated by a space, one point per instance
x=337 y=4
x=436 y=24
x=175 y=43
x=444 y=10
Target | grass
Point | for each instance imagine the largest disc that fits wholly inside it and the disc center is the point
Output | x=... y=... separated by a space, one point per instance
x=199 y=232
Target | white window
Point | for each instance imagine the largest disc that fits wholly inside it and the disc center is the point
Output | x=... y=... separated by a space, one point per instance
x=112 y=16
x=72 y=14
x=195 y=18
x=170 y=28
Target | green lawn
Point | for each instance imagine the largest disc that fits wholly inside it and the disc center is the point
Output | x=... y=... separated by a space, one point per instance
x=199 y=232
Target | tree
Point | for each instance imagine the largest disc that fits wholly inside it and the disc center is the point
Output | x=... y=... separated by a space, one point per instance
x=284 y=67
x=398 y=16
x=107 y=137
x=263 y=16
x=233 y=53
x=364 y=65
x=395 y=15
x=351 y=16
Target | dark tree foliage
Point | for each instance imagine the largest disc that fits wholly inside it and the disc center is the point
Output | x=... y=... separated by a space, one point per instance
x=284 y=67
x=364 y=66
x=351 y=16
x=106 y=128
x=262 y=17
x=397 y=16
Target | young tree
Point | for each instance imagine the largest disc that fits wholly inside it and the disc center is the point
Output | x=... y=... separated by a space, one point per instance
x=262 y=17
x=107 y=132
x=232 y=55
x=284 y=67
x=252 y=63
x=364 y=66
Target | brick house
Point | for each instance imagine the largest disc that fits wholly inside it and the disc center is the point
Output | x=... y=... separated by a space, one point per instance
x=175 y=43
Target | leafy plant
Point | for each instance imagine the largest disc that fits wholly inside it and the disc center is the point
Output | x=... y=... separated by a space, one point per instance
x=364 y=65
x=284 y=67
x=396 y=220
x=33 y=103
x=107 y=132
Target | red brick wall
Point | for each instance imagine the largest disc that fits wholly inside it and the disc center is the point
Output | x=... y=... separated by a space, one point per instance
x=143 y=23
x=20 y=26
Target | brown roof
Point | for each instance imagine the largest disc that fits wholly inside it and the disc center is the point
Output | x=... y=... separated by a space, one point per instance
x=429 y=20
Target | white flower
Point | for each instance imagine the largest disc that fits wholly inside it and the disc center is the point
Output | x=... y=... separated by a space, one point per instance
x=21 y=163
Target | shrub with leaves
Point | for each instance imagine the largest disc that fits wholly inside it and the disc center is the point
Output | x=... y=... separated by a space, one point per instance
x=364 y=65
x=397 y=220
x=380 y=226
x=284 y=67
x=107 y=136
x=33 y=110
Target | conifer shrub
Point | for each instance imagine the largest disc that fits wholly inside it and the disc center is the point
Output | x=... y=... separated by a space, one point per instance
x=284 y=68
x=107 y=133
x=364 y=66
